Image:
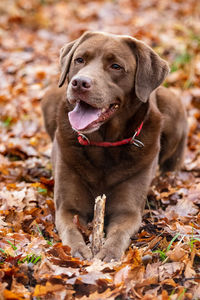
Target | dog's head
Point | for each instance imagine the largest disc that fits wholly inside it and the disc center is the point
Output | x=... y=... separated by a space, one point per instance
x=102 y=71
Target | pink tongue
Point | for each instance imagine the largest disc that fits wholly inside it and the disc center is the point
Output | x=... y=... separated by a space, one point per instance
x=82 y=115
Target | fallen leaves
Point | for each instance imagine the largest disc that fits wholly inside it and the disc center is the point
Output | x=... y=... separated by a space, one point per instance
x=42 y=290
x=184 y=207
x=163 y=259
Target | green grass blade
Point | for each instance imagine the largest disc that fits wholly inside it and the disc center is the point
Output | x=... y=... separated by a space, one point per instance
x=32 y=258
x=48 y=242
x=37 y=259
x=13 y=246
x=170 y=244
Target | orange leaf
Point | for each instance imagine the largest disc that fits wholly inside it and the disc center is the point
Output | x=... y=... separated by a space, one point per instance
x=41 y=290
x=9 y=295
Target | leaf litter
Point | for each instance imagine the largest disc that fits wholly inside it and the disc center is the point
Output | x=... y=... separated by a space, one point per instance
x=163 y=261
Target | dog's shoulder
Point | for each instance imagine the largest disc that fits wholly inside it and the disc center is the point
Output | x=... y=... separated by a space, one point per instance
x=52 y=100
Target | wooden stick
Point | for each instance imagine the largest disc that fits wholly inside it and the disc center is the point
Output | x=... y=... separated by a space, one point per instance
x=98 y=224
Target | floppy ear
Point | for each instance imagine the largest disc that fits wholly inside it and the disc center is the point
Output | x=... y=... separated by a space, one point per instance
x=66 y=54
x=151 y=70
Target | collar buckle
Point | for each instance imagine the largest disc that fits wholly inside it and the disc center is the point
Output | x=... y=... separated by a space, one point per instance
x=135 y=141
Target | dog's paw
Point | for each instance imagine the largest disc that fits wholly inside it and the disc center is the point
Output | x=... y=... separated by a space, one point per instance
x=108 y=254
x=82 y=251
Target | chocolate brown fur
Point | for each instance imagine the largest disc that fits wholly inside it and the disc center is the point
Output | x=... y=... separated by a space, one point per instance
x=123 y=173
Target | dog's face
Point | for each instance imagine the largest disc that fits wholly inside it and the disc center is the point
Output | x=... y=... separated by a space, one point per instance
x=102 y=71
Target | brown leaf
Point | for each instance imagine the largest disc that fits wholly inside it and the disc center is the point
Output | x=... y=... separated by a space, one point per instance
x=177 y=254
x=83 y=229
x=189 y=270
x=184 y=207
x=155 y=241
x=122 y=274
x=107 y=294
x=169 y=270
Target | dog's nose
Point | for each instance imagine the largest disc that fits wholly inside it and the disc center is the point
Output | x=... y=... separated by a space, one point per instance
x=81 y=83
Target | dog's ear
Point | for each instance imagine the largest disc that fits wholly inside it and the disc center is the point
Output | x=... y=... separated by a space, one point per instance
x=66 y=54
x=151 y=70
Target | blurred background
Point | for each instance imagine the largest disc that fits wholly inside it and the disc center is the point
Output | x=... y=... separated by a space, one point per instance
x=36 y=29
x=33 y=31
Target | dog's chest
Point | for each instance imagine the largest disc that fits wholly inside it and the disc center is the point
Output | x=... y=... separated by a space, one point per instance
x=98 y=164
x=107 y=158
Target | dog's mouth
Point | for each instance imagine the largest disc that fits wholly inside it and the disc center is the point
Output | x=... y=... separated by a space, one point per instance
x=85 y=117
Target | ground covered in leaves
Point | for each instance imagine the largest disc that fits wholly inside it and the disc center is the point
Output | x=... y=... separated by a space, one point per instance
x=163 y=261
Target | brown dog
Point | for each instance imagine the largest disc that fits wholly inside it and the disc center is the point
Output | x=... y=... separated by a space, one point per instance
x=112 y=91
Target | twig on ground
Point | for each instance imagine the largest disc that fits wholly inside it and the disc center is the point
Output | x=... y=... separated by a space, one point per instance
x=98 y=224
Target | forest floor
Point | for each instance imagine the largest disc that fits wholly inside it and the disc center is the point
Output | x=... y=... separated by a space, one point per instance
x=163 y=261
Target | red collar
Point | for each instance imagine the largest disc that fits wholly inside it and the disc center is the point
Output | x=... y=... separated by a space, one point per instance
x=84 y=141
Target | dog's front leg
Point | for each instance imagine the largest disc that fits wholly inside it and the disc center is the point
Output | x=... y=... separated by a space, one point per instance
x=70 y=235
x=71 y=198
x=119 y=232
x=124 y=210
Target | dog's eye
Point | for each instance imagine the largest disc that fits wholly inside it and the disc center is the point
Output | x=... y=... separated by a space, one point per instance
x=79 y=60
x=116 y=67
